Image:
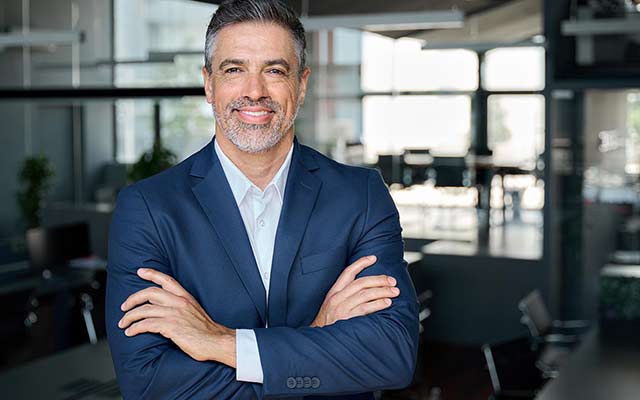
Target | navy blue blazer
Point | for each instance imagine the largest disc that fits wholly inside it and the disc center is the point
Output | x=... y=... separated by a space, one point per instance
x=185 y=223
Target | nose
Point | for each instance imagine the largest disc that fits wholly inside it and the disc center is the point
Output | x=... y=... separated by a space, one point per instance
x=255 y=87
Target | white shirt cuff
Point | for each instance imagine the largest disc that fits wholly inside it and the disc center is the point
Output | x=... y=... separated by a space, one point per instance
x=248 y=364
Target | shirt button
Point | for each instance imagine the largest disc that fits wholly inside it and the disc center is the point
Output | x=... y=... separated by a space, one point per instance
x=261 y=223
x=266 y=275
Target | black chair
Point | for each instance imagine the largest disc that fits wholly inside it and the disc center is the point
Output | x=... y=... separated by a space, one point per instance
x=390 y=166
x=417 y=163
x=450 y=172
x=18 y=315
x=50 y=251
x=423 y=358
x=542 y=327
x=553 y=338
x=512 y=369
x=424 y=299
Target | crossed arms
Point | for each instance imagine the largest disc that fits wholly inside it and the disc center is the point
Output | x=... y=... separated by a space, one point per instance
x=173 y=349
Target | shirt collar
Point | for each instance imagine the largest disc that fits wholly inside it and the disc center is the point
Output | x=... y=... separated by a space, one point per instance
x=240 y=184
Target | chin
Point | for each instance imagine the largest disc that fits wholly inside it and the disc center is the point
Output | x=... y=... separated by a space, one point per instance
x=252 y=143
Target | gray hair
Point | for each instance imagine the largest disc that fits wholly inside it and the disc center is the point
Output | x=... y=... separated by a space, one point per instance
x=274 y=11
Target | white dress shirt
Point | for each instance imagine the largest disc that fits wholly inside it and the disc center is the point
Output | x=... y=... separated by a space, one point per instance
x=260 y=211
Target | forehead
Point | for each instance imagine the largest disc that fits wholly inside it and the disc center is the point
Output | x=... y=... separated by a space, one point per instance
x=247 y=40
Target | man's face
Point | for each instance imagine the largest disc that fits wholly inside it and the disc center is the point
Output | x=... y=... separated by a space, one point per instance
x=254 y=85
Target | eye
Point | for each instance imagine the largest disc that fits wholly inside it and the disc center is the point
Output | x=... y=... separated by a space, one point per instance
x=232 y=70
x=276 y=71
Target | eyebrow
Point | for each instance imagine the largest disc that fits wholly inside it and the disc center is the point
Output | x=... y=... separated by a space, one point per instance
x=268 y=63
x=277 y=61
x=232 y=61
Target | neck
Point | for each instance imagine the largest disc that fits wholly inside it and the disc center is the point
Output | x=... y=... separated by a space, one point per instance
x=260 y=168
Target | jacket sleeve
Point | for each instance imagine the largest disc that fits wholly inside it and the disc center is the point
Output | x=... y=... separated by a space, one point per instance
x=362 y=354
x=148 y=366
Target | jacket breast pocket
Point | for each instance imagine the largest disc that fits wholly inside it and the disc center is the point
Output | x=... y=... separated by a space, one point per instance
x=335 y=258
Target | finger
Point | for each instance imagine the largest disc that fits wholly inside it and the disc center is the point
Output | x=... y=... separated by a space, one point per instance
x=370 y=307
x=142 y=312
x=350 y=272
x=149 y=325
x=153 y=295
x=371 y=294
x=163 y=280
x=364 y=283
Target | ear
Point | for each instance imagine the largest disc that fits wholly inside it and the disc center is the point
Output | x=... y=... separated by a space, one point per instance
x=304 y=79
x=208 y=84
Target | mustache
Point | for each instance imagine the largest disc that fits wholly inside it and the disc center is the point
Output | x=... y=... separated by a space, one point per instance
x=246 y=102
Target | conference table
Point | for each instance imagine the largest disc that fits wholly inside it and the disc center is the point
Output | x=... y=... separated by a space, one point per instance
x=600 y=369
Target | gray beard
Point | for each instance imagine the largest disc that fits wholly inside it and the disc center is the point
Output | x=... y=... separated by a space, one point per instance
x=254 y=138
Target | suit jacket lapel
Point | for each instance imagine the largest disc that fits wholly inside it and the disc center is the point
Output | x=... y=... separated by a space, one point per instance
x=214 y=194
x=300 y=196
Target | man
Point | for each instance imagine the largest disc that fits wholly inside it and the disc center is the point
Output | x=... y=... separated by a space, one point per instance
x=244 y=291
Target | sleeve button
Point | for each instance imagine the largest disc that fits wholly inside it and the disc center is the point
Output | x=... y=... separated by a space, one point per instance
x=291 y=382
x=315 y=382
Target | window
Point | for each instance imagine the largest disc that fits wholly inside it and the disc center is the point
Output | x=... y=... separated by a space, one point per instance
x=160 y=42
x=439 y=123
x=134 y=129
x=377 y=63
x=428 y=118
x=416 y=69
x=632 y=165
x=516 y=129
x=514 y=68
x=167 y=51
x=186 y=125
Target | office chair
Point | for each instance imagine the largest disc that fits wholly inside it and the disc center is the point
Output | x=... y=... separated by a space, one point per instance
x=50 y=251
x=419 y=375
x=18 y=315
x=451 y=178
x=543 y=327
x=390 y=166
x=553 y=338
x=450 y=172
x=416 y=162
x=512 y=369
x=425 y=312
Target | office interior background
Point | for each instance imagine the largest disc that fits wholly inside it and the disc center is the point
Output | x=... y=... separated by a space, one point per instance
x=508 y=133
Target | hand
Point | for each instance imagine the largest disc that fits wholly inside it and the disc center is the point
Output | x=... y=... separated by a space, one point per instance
x=350 y=297
x=173 y=313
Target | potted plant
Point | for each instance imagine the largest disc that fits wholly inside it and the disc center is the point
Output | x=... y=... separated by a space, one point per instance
x=151 y=162
x=35 y=178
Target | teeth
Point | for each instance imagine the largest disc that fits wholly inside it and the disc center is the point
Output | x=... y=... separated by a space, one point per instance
x=255 y=113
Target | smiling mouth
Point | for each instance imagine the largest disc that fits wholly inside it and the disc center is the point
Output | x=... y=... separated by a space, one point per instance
x=255 y=117
x=254 y=113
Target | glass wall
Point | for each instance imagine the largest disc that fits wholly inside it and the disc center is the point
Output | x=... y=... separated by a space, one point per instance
x=597 y=190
